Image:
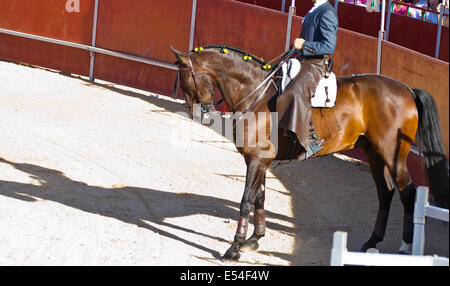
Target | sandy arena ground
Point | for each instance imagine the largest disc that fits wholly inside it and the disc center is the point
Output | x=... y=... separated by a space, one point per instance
x=101 y=174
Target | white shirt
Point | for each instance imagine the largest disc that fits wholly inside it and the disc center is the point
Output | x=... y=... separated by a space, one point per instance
x=317 y=4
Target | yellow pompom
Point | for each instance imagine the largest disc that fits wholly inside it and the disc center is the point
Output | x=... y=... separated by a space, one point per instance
x=225 y=51
x=245 y=58
x=201 y=49
x=249 y=58
x=196 y=50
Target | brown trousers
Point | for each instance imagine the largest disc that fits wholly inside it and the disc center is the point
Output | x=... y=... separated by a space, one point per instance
x=294 y=105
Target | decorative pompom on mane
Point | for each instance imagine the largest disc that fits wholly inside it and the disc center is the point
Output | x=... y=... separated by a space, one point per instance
x=246 y=56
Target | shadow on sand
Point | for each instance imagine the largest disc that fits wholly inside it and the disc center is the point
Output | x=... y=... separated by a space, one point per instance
x=128 y=204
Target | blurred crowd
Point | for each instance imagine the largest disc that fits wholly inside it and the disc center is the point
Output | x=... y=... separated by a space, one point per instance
x=411 y=8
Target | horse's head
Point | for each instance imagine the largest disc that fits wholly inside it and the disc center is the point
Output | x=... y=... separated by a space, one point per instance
x=196 y=80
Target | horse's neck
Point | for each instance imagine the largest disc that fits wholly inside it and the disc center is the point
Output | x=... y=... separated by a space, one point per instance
x=236 y=86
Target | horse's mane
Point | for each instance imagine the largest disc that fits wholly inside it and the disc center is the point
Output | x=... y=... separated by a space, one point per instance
x=245 y=53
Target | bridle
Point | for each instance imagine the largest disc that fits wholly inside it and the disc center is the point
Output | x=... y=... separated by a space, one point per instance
x=204 y=107
x=190 y=68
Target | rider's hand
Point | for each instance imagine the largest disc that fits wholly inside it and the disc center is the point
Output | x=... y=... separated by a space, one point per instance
x=298 y=43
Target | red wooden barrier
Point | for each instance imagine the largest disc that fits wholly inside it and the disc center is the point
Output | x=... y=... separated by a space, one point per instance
x=259 y=31
x=48 y=18
x=355 y=53
x=419 y=34
x=356 y=18
x=404 y=31
x=272 y=4
x=65 y=59
x=143 y=29
x=419 y=71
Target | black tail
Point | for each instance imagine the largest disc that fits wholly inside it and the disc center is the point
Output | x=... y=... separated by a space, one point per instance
x=429 y=141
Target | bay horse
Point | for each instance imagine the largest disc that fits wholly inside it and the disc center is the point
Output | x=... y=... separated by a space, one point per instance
x=373 y=112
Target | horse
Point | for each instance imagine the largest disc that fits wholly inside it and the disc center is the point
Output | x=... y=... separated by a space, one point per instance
x=373 y=112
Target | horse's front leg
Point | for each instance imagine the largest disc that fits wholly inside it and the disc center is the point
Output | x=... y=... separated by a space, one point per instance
x=256 y=169
x=259 y=222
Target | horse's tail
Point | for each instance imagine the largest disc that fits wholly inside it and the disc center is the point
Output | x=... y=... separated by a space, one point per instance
x=429 y=141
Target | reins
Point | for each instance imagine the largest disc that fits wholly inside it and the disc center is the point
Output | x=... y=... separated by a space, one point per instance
x=284 y=59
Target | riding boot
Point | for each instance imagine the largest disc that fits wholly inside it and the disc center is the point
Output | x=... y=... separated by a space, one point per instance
x=291 y=147
x=315 y=143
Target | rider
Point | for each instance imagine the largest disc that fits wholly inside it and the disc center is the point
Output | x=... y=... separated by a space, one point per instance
x=316 y=43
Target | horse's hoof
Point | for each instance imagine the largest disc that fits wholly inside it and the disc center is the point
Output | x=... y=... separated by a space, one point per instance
x=364 y=248
x=368 y=246
x=231 y=255
x=405 y=248
x=372 y=250
x=249 y=245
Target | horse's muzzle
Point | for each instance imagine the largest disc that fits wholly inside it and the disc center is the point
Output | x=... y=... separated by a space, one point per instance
x=205 y=108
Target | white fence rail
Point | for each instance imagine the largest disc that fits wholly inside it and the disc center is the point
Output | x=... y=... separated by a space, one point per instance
x=422 y=209
x=340 y=256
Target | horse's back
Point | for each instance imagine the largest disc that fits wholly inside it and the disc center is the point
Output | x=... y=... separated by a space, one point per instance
x=367 y=105
x=378 y=94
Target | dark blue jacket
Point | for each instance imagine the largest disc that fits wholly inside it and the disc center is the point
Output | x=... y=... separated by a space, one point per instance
x=319 y=30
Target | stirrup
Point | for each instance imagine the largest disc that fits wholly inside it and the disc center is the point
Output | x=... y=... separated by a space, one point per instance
x=314 y=149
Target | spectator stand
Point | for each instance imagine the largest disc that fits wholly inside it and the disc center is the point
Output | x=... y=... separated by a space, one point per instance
x=417 y=9
x=427 y=15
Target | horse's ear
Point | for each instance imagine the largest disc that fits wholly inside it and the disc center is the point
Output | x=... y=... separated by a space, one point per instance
x=182 y=58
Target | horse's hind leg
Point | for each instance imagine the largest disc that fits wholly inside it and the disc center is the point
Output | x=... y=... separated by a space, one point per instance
x=384 y=193
x=396 y=161
x=407 y=192
x=395 y=158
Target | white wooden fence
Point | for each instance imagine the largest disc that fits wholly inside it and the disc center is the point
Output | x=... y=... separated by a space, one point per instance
x=341 y=256
x=421 y=210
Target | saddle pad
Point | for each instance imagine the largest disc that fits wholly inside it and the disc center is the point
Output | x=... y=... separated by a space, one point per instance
x=326 y=90
x=290 y=69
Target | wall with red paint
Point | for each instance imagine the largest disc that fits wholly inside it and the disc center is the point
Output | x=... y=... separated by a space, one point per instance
x=259 y=31
x=271 y=4
x=419 y=71
x=65 y=59
x=418 y=34
x=143 y=29
x=48 y=18
x=355 y=18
